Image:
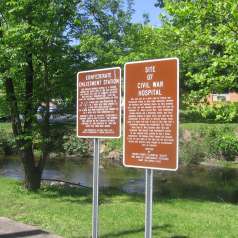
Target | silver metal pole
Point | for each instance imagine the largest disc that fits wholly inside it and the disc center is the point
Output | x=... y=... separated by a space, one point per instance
x=95 y=188
x=148 y=202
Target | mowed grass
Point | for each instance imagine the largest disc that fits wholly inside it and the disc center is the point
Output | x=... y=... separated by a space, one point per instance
x=67 y=212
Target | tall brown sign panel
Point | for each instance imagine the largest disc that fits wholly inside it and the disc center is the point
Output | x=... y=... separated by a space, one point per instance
x=98 y=103
x=151 y=114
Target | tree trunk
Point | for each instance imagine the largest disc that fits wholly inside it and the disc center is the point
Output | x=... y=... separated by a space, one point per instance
x=32 y=172
x=45 y=127
x=32 y=180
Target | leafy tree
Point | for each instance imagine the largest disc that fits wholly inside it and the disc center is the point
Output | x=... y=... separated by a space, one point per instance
x=39 y=59
x=100 y=28
x=206 y=39
x=202 y=34
x=141 y=42
x=159 y=3
x=33 y=43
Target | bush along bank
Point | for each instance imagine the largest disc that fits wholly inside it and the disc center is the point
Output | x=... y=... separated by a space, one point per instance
x=223 y=112
x=208 y=142
x=62 y=142
x=198 y=142
x=7 y=143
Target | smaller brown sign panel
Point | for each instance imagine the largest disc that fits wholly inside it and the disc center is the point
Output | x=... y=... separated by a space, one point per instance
x=151 y=114
x=98 y=103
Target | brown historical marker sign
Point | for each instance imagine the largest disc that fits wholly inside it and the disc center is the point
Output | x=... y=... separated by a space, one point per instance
x=151 y=114
x=98 y=103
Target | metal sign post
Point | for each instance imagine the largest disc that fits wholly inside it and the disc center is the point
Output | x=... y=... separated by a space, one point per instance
x=151 y=113
x=95 y=188
x=148 y=202
x=98 y=116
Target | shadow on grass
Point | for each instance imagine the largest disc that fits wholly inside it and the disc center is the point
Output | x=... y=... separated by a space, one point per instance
x=179 y=236
x=84 y=195
x=66 y=193
x=24 y=234
x=133 y=231
x=126 y=233
x=157 y=229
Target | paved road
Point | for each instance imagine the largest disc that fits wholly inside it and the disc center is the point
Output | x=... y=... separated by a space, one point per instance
x=13 y=229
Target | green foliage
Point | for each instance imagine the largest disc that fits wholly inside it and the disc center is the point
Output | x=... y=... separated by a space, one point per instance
x=194 y=151
x=201 y=142
x=190 y=115
x=56 y=140
x=6 y=126
x=4 y=109
x=228 y=146
x=114 y=145
x=7 y=142
x=218 y=112
x=150 y=45
x=37 y=29
x=205 y=31
x=202 y=34
x=100 y=28
x=193 y=144
x=223 y=143
x=62 y=140
x=34 y=42
x=73 y=145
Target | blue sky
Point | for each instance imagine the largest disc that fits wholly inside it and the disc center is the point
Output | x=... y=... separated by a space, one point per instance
x=146 y=6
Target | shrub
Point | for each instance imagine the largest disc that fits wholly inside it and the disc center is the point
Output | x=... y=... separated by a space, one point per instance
x=191 y=153
x=113 y=145
x=223 y=143
x=4 y=109
x=208 y=142
x=192 y=149
x=190 y=115
x=74 y=145
x=57 y=133
x=219 y=112
x=7 y=142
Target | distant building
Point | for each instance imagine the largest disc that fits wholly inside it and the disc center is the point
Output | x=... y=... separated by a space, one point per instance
x=222 y=97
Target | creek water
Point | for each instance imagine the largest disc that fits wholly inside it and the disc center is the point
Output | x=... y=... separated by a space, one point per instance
x=80 y=171
x=199 y=182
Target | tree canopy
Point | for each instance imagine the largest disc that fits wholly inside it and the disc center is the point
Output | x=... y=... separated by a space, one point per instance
x=33 y=45
x=38 y=61
x=202 y=34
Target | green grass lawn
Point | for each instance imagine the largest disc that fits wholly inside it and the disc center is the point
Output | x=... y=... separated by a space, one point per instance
x=67 y=212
